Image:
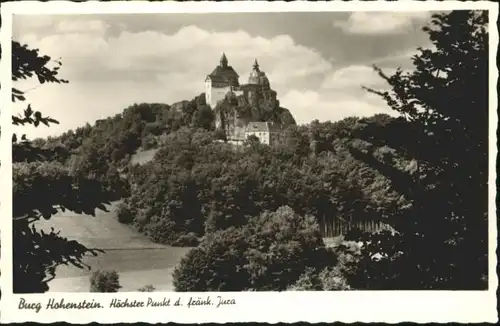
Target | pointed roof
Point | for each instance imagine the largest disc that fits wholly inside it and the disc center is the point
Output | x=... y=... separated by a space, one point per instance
x=258 y=126
x=256 y=65
x=223 y=60
x=224 y=73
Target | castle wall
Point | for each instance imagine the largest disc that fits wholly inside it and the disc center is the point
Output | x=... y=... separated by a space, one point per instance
x=239 y=129
x=275 y=137
x=208 y=87
x=216 y=94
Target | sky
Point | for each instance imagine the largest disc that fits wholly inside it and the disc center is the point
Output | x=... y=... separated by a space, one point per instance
x=316 y=61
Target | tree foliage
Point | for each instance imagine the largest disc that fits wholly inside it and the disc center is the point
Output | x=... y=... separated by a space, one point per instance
x=197 y=185
x=268 y=253
x=105 y=281
x=442 y=240
x=147 y=288
x=42 y=187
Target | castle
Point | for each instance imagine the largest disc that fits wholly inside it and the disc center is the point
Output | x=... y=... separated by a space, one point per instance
x=224 y=80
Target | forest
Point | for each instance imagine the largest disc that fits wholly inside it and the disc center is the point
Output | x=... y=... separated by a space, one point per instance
x=256 y=216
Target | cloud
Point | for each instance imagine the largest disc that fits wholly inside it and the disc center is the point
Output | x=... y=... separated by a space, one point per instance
x=353 y=76
x=190 y=50
x=371 y=23
x=399 y=57
x=23 y=23
x=82 y=26
x=308 y=105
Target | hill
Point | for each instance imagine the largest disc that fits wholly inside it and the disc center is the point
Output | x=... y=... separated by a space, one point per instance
x=141 y=127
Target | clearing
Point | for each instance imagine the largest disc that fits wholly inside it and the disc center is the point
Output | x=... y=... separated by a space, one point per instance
x=137 y=259
x=143 y=156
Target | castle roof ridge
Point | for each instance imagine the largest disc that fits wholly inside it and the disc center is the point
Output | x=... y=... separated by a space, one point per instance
x=258 y=126
x=224 y=72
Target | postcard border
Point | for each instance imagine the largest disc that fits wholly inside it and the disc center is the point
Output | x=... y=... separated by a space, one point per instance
x=416 y=306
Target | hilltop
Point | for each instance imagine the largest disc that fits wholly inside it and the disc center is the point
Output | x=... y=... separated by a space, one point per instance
x=239 y=106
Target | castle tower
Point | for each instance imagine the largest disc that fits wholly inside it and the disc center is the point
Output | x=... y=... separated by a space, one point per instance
x=222 y=79
x=254 y=76
x=223 y=60
x=258 y=77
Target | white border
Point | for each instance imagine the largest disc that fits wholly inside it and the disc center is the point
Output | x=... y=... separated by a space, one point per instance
x=355 y=306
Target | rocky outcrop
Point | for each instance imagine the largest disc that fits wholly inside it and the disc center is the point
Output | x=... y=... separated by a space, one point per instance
x=180 y=107
x=235 y=111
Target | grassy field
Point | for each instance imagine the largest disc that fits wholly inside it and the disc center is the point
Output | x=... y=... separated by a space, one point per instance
x=138 y=260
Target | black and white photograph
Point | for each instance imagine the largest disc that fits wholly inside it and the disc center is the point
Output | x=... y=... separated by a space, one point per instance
x=251 y=151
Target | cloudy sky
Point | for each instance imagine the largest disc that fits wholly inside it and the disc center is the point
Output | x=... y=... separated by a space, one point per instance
x=315 y=61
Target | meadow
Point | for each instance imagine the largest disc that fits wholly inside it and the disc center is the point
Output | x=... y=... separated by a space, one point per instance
x=138 y=260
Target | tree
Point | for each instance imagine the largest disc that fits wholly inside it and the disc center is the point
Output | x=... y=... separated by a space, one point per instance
x=204 y=118
x=442 y=240
x=105 y=281
x=252 y=139
x=42 y=187
x=149 y=141
x=269 y=253
x=147 y=288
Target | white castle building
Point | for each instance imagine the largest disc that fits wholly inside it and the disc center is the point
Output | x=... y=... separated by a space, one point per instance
x=224 y=79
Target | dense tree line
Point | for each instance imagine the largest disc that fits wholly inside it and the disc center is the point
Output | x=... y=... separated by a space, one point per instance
x=103 y=151
x=196 y=185
x=271 y=252
x=116 y=138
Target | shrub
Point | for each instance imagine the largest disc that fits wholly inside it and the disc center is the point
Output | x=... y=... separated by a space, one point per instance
x=186 y=240
x=332 y=279
x=284 y=245
x=104 y=281
x=220 y=134
x=153 y=128
x=162 y=230
x=336 y=277
x=349 y=255
x=124 y=214
x=308 y=281
x=270 y=253
x=328 y=279
x=191 y=274
x=147 y=288
x=141 y=218
x=148 y=142
x=217 y=266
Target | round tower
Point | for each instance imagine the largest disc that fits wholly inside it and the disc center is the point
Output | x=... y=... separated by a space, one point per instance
x=254 y=76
